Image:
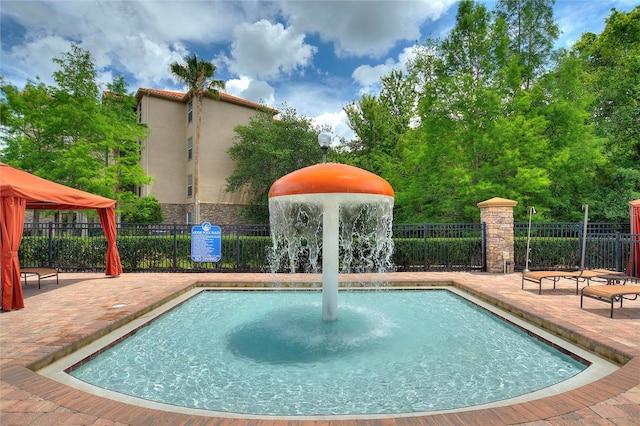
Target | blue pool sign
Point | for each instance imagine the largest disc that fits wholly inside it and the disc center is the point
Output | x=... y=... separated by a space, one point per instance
x=206 y=243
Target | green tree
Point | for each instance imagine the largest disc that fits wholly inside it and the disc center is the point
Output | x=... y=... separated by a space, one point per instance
x=573 y=151
x=493 y=121
x=453 y=151
x=78 y=125
x=370 y=120
x=198 y=75
x=532 y=33
x=25 y=115
x=26 y=142
x=613 y=67
x=265 y=150
x=140 y=210
x=379 y=122
x=68 y=134
x=124 y=149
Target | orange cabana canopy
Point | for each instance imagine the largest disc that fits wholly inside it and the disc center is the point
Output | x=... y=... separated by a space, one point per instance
x=19 y=191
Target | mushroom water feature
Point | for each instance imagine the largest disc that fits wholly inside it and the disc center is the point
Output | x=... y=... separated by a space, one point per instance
x=353 y=209
x=265 y=353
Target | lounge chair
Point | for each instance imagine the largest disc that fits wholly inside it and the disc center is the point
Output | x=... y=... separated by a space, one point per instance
x=40 y=273
x=584 y=275
x=616 y=278
x=610 y=293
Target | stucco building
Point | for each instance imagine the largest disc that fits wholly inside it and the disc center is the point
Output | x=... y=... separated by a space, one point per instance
x=190 y=192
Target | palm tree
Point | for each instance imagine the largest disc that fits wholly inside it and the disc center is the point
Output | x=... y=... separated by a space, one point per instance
x=198 y=76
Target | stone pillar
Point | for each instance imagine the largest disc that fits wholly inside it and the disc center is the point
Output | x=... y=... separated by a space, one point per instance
x=497 y=215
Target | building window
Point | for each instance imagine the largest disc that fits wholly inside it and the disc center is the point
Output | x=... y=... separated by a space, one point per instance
x=140 y=112
x=190 y=112
x=189 y=218
x=189 y=149
x=190 y=186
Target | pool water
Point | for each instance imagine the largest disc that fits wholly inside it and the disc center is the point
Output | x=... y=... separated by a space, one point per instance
x=270 y=353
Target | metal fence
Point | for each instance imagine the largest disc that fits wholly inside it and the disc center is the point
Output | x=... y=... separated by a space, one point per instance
x=439 y=247
x=561 y=245
x=245 y=248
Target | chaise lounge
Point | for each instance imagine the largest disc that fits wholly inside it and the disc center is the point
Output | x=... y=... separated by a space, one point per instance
x=610 y=293
x=584 y=275
x=40 y=273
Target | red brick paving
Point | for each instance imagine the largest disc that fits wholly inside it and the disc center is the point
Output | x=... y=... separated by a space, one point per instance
x=81 y=308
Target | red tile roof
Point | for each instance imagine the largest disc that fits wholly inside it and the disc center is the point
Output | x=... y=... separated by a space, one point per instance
x=167 y=93
x=182 y=96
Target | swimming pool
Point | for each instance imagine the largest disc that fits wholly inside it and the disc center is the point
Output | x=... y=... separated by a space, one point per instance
x=379 y=386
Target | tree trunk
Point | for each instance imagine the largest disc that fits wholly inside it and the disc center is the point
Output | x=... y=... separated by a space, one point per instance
x=196 y=159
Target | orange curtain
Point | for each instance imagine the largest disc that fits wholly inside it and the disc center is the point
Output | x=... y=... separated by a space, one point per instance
x=108 y=221
x=634 y=259
x=11 y=226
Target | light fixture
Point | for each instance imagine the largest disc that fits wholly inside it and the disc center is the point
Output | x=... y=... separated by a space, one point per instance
x=324 y=139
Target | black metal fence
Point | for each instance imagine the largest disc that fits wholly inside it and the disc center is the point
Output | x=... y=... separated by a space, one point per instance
x=245 y=248
x=439 y=247
x=561 y=245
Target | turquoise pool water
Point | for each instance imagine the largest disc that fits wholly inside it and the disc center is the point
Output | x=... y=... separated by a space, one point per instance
x=270 y=353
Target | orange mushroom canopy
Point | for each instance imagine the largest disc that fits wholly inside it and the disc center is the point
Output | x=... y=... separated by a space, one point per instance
x=330 y=178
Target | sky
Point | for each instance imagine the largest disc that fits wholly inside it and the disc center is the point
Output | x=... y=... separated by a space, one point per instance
x=313 y=56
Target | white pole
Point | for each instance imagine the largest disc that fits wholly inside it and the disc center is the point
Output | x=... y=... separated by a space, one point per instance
x=330 y=246
x=585 y=207
x=532 y=210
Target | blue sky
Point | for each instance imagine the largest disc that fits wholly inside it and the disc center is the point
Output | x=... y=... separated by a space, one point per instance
x=315 y=56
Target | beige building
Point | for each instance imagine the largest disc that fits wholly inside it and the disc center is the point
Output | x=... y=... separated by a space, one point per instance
x=169 y=154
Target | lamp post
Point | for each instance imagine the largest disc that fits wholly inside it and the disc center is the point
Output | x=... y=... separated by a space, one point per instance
x=324 y=139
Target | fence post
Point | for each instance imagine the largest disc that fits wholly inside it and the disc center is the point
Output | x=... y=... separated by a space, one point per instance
x=618 y=252
x=425 y=230
x=175 y=246
x=484 y=246
x=581 y=242
x=237 y=229
x=497 y=215
x=50 y=246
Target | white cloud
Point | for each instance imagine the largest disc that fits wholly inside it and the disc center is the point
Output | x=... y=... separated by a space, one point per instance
x=364 y=28
x=166 y=21
x=264 y=50
x=313 y=98
x=407 y=55
x=146 y=59
x=137 y=37
x=34 y=59
x=321 y=101
x=196 y=21
x=237 y=85
x=141 y=38
x=314 y=101
x=338 y=123
x=572 y=20
x=368 y=76
x=325 y=109
x=253 y=90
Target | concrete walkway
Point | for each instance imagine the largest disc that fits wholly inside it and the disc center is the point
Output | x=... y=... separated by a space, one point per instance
x=59 y=318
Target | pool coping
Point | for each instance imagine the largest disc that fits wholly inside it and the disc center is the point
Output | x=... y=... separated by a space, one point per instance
x=596 y=366
x=19 y=373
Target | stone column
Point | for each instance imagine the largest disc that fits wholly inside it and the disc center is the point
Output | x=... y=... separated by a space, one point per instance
x=497 y=215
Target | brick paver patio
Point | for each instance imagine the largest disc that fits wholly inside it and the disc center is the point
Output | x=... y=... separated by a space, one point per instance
x=60 y=318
